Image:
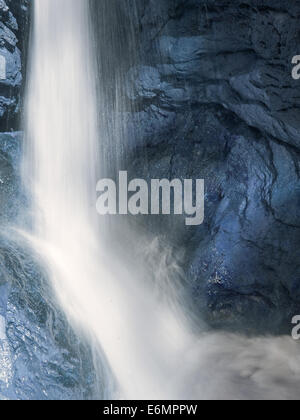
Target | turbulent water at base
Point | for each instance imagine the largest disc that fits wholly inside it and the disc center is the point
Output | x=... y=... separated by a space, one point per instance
x=145 y=345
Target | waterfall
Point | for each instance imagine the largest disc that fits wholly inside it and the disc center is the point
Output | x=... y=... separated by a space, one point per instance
x=60 y=166
x=146 y=349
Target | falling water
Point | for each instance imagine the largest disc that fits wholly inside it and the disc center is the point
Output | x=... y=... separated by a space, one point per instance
x=147 y=348
x=60 y=166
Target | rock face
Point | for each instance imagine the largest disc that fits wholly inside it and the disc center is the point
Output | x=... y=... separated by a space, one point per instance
x=215 y=99
x=13 y=28
x=41 y=358
x=14 y=32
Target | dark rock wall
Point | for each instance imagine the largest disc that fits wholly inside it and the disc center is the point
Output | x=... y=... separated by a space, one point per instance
x=13 y=36
x=215 y=99
x=14 y=32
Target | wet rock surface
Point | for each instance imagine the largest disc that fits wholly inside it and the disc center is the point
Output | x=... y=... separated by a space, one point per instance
x=215 y=99
x=41 y=357
x=10 y=185
x=14 y=29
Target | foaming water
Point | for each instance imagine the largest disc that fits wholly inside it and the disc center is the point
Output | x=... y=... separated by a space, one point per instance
x=149 y=352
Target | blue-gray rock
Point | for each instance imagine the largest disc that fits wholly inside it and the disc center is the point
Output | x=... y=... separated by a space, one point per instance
x=215 y=99
x=41 y=357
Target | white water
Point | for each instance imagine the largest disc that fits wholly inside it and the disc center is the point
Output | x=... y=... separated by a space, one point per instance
x=61 y=158
x=149 y=350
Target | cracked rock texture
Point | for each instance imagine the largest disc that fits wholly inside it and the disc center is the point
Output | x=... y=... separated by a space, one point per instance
x=215 y=99
x=13 y=36
x=41 y=358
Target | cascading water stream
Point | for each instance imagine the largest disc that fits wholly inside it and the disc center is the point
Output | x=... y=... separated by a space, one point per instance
x=148 y=350
x=138 y=338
